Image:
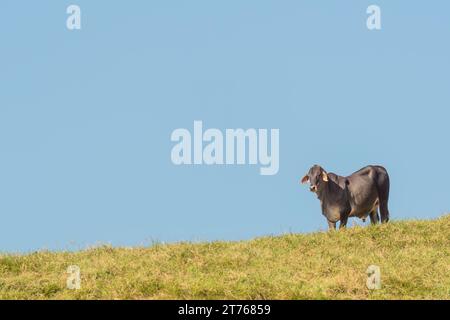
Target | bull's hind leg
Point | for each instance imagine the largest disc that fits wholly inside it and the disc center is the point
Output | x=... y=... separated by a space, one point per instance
x=374 y=218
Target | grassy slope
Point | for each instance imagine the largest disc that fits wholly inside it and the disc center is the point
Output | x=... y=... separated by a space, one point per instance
x=414 y=257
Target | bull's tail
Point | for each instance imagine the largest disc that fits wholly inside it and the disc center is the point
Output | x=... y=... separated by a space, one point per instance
x=383 y=185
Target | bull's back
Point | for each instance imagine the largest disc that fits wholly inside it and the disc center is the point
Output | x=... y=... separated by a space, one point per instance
x=376 y=173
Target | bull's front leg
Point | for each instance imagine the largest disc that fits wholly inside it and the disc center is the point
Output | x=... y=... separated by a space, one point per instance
x=344 y=219
x=331 y=225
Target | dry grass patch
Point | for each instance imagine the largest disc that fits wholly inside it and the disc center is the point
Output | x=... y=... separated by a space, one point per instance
x=414 y=257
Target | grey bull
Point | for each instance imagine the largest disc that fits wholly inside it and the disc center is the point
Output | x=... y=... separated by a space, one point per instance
x=360 y=194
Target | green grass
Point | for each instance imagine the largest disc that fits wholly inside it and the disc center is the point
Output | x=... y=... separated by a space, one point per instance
x=414 y=257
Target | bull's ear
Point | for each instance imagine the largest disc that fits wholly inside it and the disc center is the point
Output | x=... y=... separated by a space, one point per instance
x=324 y=176
x=305 y=179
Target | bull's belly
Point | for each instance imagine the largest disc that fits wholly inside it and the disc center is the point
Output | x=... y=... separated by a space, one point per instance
x=333 y=213
x=363 y=212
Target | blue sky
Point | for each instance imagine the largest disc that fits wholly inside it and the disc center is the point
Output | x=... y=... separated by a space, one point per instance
x=86 y=116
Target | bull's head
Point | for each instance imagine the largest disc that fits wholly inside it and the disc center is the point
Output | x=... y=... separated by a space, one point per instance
x=317 y=178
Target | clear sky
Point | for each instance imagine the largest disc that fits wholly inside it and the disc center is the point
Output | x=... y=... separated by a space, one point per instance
x=86 y=116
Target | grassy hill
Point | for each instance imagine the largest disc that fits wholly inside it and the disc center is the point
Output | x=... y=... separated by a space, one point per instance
x=414 y=257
